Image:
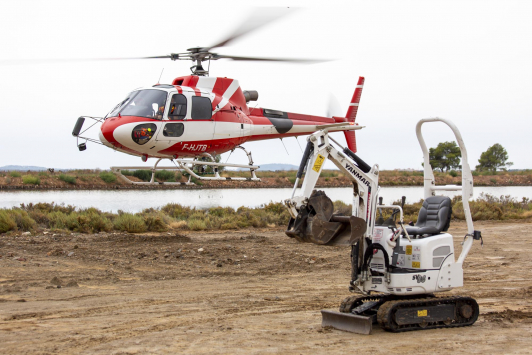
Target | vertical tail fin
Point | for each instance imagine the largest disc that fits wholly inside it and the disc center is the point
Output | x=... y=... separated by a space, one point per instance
x=352 y=114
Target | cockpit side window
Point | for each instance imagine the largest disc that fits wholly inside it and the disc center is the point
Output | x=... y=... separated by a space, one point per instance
x=201 y=108
x=178 y=107
x=145 y=103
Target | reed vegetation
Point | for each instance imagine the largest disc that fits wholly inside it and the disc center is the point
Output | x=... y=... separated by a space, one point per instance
x=174 y=216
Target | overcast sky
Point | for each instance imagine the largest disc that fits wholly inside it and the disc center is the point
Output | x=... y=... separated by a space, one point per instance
x=468 y=61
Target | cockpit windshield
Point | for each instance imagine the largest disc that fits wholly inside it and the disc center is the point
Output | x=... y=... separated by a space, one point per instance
x=142 y=103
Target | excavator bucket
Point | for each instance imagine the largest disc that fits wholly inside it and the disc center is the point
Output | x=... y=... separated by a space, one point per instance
x=347 y=321
x=316 y=223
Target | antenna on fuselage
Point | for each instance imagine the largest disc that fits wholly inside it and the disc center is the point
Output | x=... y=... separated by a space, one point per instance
x=284 y=146
x=297 y=140
x=159 y=81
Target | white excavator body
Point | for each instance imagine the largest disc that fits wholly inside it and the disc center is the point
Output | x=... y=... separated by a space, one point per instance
x=391 y=263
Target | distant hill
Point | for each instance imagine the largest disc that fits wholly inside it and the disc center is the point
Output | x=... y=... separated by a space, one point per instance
x=22 y=168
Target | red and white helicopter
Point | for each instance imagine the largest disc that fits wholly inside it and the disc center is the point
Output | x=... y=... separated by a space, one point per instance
x=200 y=116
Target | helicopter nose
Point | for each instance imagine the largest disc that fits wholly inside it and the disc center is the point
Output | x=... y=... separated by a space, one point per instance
x=107 y=132
x=103 y=140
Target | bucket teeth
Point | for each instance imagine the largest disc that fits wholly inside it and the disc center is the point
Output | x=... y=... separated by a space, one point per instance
x=316 y=223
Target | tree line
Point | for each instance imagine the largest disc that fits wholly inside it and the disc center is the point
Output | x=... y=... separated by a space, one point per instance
x=446 y=156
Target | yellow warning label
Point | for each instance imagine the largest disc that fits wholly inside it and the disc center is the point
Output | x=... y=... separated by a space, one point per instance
x=416 y=264
x=318 y=163
x=408 y=250
x=422 y=313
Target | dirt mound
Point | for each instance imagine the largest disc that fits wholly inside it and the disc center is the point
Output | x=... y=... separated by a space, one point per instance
x=509 y=315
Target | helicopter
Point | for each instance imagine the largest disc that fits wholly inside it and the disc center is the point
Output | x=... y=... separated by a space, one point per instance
x=197 y=117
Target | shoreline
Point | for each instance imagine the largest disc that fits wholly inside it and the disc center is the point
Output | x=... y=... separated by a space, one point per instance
x=94 y=180
x=203 y=187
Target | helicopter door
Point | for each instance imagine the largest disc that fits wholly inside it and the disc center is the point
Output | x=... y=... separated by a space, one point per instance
x=174 y=128
x=201 y=124
x=189 y=120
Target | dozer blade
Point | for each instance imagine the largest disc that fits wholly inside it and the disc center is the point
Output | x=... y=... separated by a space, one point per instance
x=347 y=321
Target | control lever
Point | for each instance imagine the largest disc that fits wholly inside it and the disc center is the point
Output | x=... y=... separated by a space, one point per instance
x=380 y=220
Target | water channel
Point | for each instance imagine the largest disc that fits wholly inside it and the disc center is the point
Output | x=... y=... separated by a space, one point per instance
x=137 y=200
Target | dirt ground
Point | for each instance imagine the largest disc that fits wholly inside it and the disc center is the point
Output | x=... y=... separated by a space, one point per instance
x=238 y=292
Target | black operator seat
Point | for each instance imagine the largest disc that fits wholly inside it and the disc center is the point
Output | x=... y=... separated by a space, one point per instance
x=434 y=217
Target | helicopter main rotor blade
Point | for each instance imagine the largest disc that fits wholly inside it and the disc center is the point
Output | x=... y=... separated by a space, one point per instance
x=262 y=59
x=260 y=17
x=72 y=60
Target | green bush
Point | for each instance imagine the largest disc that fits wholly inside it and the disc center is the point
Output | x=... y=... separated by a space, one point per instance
x=107 y=176
x=67 y=178
x=126 y=173
x=165 y=175
x=475 y=173
x=196 y=181
x=196 y=224
x=130 y=223
x=30 y=179
x=39 y=217
x=43 y=174
x=95 y=220
x=22 y=219
x=15 y=174
x=57 y=220
x=155 y=221
x=47 y=207
x=175 y=210
x=453 y=173
x=6 y=222
x=144 y=175
x=221 y=211
x=276 y=208
x=86 y=221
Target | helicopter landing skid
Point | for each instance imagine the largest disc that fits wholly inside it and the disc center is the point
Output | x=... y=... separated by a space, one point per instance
x=187 y=166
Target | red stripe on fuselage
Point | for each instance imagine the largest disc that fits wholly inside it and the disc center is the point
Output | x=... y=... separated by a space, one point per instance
x=217 y=96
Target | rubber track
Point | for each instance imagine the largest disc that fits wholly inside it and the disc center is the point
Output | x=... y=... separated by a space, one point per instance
x=354 y=301
x=386 y=313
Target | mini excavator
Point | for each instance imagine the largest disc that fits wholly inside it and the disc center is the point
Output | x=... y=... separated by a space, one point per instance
x=395 y=269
